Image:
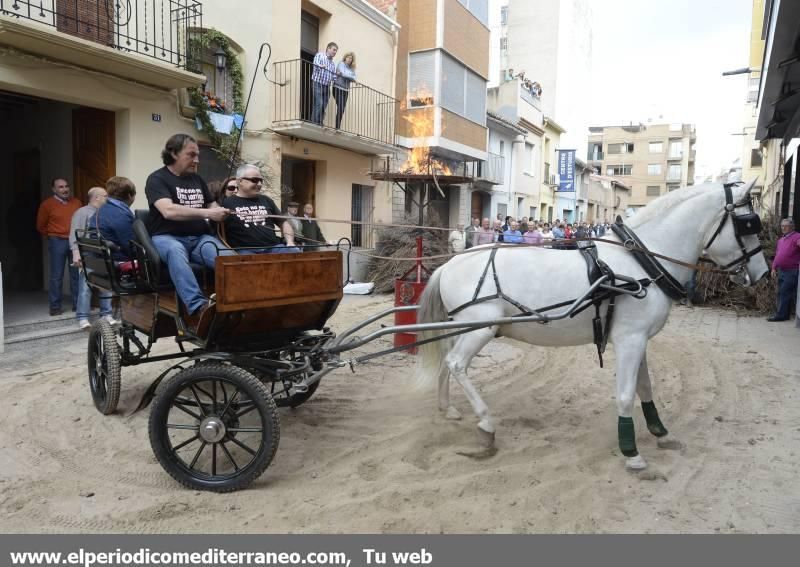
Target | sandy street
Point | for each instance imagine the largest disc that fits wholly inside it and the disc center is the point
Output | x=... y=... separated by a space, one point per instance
x=370 y=454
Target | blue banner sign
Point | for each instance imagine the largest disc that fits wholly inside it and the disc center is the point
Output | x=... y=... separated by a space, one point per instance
x=566 y=171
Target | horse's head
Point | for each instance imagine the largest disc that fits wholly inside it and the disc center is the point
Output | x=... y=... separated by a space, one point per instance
x=733 y=245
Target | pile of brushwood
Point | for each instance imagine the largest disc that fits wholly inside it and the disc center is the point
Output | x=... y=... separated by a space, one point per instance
x=400 y=242
x=718 y=290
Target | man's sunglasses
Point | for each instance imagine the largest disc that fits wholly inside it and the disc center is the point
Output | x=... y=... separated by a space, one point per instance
x=254 y=179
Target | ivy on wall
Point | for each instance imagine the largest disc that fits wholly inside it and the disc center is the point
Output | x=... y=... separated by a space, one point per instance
x=199 y=43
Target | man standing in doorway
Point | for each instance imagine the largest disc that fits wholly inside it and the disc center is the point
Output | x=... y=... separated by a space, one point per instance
x=53 y=222
x=785 y=266
x=322 y=76
x=295 y=222
x=311 y=230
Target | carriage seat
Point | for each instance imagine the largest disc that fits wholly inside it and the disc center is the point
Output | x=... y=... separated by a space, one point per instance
x=101 y=270
x=152 y=267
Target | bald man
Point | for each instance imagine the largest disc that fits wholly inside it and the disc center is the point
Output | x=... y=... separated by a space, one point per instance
x=86 y=217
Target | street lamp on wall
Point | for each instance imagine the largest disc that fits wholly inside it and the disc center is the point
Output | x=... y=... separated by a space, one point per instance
x=220 y=59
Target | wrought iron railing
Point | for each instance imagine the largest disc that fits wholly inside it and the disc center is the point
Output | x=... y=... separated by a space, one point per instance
x=367 y=113
x=491 y=169
x=153 y=28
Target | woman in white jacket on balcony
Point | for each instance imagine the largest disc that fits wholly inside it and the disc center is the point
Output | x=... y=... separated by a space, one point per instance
x=345 y=74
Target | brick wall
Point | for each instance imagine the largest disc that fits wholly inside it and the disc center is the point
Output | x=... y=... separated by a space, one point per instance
x=87 y=19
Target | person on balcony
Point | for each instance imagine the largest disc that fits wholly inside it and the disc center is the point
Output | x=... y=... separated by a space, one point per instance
x=322 y=76
x=345 y=74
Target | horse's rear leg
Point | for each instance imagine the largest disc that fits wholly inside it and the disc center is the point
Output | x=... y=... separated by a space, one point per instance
x=630 y=352
x=457 y=361
x=644 y=389
x=444 y=395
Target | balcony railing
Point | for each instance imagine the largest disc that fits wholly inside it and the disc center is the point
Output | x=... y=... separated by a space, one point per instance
x=675 y=156
x=596 y=156
x=490 y=170
x=153 y=28
x=367 y=113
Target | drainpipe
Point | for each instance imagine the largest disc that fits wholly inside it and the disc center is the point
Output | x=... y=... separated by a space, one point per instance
x=512 y=183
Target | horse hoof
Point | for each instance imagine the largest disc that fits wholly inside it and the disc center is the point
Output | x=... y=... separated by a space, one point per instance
x=636 y=463
x=669 y=443
x=486 y=437
x=452 y=413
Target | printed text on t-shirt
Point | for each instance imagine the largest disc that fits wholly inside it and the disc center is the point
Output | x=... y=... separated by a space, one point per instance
x=190 y=197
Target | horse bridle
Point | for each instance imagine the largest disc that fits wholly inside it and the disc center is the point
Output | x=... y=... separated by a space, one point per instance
x=743 y=225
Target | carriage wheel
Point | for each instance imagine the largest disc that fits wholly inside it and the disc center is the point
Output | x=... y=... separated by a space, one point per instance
x=214 y=427
x=284 y=400
x=105 y=373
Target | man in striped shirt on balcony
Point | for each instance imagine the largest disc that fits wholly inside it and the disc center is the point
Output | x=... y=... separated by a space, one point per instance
x=321 y=78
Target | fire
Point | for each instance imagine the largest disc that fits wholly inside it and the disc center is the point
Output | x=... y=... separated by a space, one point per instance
x=420 y=160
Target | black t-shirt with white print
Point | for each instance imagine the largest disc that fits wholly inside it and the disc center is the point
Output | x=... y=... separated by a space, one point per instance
x=188 y=190
x=250 y=223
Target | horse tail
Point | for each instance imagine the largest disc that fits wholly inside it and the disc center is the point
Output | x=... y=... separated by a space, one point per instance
x=431 y=361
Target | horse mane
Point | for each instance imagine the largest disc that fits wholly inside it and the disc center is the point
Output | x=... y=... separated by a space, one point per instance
x=658 y=207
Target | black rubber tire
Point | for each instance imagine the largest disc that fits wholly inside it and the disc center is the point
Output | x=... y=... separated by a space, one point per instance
x=105 y=367
x=255 y=390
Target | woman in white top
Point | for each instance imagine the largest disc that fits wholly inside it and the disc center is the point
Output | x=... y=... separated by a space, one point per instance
x=547 y=234
x=345 y=74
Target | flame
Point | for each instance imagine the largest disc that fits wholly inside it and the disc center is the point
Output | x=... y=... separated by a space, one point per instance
x=420 y=160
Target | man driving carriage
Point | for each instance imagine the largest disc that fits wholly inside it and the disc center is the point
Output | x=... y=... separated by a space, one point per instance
x=180 y=206
x=251 y=224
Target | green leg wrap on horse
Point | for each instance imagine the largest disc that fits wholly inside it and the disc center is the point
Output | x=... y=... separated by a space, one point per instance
x=654 y=424
x=627 y=437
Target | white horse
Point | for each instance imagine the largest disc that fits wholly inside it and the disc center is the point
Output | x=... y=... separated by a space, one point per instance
x=681 y=225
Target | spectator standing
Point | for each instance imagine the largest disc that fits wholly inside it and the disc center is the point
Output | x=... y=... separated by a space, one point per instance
x=498 y=231
x=296 y=224
x=532 y=236
x=322 y=76
x=512 y=235
x=311 y=230
x=485 y=234
x=785 y=265
x=53 y=221
x=85 y=218
x=472 y=232
x=345 y=75
x=456 y=240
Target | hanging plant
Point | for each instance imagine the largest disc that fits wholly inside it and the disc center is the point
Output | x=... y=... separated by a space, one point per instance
x=205 y=102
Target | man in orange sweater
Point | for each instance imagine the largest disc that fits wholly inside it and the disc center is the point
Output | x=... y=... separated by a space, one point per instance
x=52 y=222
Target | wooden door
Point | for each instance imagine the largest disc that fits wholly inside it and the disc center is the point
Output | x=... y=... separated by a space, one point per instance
x=303 y=183
x=93 y=149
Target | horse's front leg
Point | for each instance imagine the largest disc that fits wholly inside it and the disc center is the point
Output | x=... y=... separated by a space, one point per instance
x=644 y=389
x=630 y=352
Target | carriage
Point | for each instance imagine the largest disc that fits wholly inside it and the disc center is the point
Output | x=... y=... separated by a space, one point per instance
x=213 y=422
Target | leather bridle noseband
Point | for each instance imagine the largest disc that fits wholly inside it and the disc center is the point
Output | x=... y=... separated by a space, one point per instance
x=743 y=225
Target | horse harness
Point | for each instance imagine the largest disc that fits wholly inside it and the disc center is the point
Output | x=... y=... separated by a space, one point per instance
x=743 y=225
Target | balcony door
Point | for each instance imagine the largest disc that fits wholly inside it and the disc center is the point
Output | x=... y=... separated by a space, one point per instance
x=309 y=46
x=86 y=19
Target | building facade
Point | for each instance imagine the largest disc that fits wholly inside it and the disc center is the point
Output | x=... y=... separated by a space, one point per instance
x=651 y=160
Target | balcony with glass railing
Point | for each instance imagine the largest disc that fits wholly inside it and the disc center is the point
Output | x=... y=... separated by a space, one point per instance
x=366 y=124
x=142 y=40
x=489 y=171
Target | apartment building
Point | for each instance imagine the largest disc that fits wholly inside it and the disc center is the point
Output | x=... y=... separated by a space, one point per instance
x=650 y=159
x=442 y=66
x=778 y=126
x=91 y=89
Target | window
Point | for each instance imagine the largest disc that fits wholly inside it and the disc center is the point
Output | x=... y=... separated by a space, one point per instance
x=755 y=158
x=532 y=214
x=675 y=149
x=503 y=15
x=653 y=190
x=421 y=78
x=619 y=169
x=674 y=172
x=595 y=151
x=503 y=44
x=478 y=8
x=623 y=148
x=502 y=148
x=673 y=187
x=527 y=164
x=502 y=210
x=654 y=169
x=463 y=92
x=656 y=147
